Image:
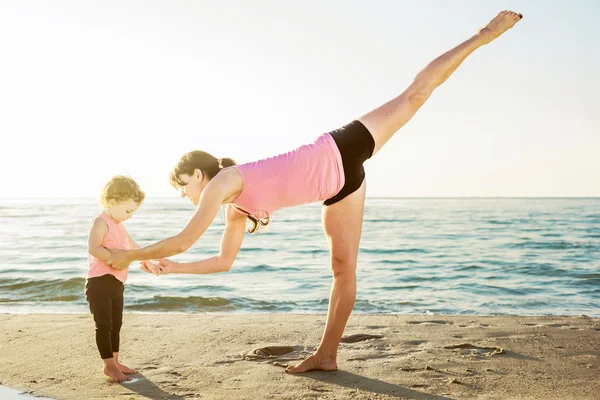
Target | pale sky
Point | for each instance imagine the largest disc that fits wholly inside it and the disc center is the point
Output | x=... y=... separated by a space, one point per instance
x=93 y=89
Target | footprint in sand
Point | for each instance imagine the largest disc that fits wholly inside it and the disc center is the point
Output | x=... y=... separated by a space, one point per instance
x=359 y=337
x=411 y=369
x=436 y=322
x=415 y=342
x=548 y=325
x=476 y=351
x=225 y=362
x=272 y=353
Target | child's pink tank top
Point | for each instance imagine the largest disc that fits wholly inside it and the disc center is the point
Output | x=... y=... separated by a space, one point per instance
x=115 y=238
x=312 y=172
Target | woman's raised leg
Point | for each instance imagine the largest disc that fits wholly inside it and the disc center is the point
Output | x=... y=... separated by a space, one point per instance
x=387 y=119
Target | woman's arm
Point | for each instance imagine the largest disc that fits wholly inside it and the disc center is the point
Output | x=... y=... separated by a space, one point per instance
x=132 y=243
x=230 y=246
x=211 y=199
x=145 y=265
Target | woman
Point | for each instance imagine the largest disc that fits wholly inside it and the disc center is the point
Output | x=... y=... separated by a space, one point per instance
x=329 y=170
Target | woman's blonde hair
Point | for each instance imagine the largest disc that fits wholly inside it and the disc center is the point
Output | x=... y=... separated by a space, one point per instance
x=121 y=188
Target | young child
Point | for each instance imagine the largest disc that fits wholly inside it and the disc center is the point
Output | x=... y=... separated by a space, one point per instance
x=104 y=287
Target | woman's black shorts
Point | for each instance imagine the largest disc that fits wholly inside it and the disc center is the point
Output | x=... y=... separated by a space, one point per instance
x=356 y=145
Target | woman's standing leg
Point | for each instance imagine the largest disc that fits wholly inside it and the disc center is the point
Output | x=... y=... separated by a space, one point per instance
x=342 y=223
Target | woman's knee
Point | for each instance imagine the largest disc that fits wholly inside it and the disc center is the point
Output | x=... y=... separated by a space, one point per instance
x=343 y=267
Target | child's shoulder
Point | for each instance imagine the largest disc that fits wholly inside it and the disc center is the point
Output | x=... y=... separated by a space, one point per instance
x=99 y=223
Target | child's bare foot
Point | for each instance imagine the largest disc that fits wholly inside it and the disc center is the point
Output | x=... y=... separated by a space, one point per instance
x=111 y=369
x=125 y=369
x=313 y=363
x=500 y=24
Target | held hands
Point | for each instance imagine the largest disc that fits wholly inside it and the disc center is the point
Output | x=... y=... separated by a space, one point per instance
x=119 y=259
x=162 y=267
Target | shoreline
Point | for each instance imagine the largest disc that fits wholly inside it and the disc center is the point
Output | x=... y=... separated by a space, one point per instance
x=307 y=313
x=213 y=356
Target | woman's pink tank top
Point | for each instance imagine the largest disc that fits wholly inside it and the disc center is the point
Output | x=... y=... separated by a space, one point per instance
x=312 y=172
x=115 y=238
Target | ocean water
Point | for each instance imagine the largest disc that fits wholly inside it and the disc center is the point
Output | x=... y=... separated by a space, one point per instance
x=7 y=393
x=465 y=256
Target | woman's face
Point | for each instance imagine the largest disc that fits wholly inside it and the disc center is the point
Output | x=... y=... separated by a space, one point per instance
x=193 y=186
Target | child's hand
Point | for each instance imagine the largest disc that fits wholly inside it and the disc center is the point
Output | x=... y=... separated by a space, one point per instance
x=164 y=266
x=150 y=267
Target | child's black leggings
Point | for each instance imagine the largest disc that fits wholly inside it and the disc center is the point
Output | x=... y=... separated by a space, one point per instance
x=105 y=296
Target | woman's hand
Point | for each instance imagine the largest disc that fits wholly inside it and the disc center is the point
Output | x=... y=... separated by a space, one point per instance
x=119 y=259
x=166 y=266
x=163 y=267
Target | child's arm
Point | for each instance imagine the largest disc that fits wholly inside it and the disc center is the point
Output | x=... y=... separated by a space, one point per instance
x=97 y=232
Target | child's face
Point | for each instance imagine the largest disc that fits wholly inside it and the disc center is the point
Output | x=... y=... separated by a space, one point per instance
x=122 y=211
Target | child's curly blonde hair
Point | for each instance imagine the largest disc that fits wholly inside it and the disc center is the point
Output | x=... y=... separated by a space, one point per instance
x=121 y=188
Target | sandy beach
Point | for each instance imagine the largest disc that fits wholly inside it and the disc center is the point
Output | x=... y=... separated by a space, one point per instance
x=230 y=356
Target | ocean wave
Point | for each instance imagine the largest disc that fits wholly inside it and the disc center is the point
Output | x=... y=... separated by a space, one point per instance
x=505 y=222
x=392 y=261
x=258 y=249
x=205 y=304
x=311 y=251
x=395 y=251
x=58 y=260
x=388 y=220
x=554 y=245
x=471 y=267
x=21 y=289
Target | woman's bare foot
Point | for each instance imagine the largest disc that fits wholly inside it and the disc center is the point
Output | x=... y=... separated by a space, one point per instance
x=312 y=363
x=111 y=369
x=500 y=24
x=125 y=369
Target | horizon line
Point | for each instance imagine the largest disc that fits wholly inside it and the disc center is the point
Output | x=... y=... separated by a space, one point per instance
x=367 y=197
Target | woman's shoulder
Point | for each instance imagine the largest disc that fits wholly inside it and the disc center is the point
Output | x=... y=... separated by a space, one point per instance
x=230 y=181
